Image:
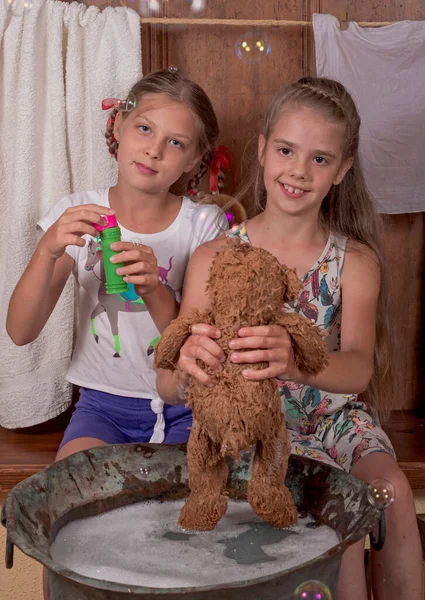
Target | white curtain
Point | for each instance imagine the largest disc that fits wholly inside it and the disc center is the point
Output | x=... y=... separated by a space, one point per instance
x=384 y=69
x=57 y=62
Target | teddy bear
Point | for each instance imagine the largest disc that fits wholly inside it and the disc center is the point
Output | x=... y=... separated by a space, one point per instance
x=247 y=287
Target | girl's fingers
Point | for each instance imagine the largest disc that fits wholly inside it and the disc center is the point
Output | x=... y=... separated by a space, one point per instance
x=138 y=268
x=140 y=248
x=88 y=216
x=253 y=375
x=148 y=282
x=75 y=240
x=208 y=359
x=262 y=331
x=94 y=208
x=255 y=356
x=207 y=330
x=192 y=368
x=79 y=228
x=133 y=256
x=196 y=342
x=282 y=343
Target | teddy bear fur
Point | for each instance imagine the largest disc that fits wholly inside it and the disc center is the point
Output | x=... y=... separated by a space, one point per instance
x=247 y=287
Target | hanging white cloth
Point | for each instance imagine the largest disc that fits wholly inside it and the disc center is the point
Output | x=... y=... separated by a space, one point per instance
x=384 y=70
x=57 y=62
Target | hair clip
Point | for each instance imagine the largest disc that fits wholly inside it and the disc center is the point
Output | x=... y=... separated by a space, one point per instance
x=125 y=105
x=173 y=69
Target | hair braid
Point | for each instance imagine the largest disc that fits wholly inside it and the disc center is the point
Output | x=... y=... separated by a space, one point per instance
x=192 y=186
x=111 y=142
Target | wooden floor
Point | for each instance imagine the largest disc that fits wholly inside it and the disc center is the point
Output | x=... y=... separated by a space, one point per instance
x=23 y=454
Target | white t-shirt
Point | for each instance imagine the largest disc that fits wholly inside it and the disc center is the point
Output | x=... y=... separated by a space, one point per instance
x=114 y=350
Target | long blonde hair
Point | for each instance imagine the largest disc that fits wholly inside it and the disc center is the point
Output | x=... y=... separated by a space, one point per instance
x=347 y=209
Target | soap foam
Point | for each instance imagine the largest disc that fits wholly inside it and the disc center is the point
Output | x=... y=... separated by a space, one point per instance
x=143 y=545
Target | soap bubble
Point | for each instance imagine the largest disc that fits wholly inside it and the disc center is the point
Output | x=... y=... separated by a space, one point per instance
x=149 y=6
x=252 y=47
x=197 y=5
x=381 y=493
x=312 y=590
x=18 y=7
x=232 y=208
x=125 y=101
x=173 y=68
x=129 y=103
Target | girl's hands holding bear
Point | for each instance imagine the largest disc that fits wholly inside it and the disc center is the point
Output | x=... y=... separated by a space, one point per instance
x=267 y=343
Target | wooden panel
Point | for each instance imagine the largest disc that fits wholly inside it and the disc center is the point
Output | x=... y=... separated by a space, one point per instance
x=23 y=454
x=407 y=434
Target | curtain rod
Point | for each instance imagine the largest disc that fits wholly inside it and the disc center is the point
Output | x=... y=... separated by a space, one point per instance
x=247 y=22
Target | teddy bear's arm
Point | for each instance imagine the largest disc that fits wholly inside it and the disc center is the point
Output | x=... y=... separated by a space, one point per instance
x=168 y=348
x=310 y=350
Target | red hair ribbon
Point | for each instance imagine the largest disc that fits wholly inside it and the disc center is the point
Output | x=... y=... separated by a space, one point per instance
x=108 y=103
x=222 y=158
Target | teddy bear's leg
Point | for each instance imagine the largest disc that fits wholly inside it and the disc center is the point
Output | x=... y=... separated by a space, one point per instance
x=269 y=497
x=207 y=480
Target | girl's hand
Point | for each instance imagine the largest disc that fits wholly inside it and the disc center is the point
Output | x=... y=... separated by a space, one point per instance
x=141 y=268
x=200 y=345
x=267 y=343
x=69 y=229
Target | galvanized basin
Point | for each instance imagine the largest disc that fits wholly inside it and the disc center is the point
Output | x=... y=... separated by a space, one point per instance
x=94 y=481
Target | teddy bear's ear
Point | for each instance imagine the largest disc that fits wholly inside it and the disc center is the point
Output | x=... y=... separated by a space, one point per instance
x=292 y=283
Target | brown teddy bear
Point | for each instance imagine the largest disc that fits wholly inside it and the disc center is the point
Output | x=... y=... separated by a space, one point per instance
x=247 y=287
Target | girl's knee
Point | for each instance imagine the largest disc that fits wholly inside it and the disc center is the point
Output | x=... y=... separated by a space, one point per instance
x=403 y=506
x=380 y=465
x=77 y=445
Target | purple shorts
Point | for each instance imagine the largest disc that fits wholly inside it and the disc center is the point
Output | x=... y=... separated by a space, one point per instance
x=122 y=420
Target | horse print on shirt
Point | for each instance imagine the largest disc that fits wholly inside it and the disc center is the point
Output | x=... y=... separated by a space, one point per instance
x=113 y=304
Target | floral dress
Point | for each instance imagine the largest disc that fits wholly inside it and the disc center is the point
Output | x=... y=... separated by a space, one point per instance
x=336 y=429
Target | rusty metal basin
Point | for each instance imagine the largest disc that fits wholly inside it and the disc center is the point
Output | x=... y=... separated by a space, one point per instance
x=94 y=481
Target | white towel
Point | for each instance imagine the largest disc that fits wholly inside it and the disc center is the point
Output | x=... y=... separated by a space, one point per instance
x=384 y=70
x=57 y=62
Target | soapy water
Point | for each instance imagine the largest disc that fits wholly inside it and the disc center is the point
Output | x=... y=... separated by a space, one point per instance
x=143 y=545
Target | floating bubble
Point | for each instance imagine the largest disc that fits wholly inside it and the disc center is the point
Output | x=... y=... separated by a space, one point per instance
x=232 y=208
x=149 y=6
x=252 y=47
x=197 y=5
x=381 y=493
x=125 y=102
x=312 y=590
x=173 y=68
x=18 y=7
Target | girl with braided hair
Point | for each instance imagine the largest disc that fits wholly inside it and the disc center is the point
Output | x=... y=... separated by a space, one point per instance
x=315 y=214
x=161 y=131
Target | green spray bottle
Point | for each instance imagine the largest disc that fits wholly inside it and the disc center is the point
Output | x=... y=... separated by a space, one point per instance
x=110 y=233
